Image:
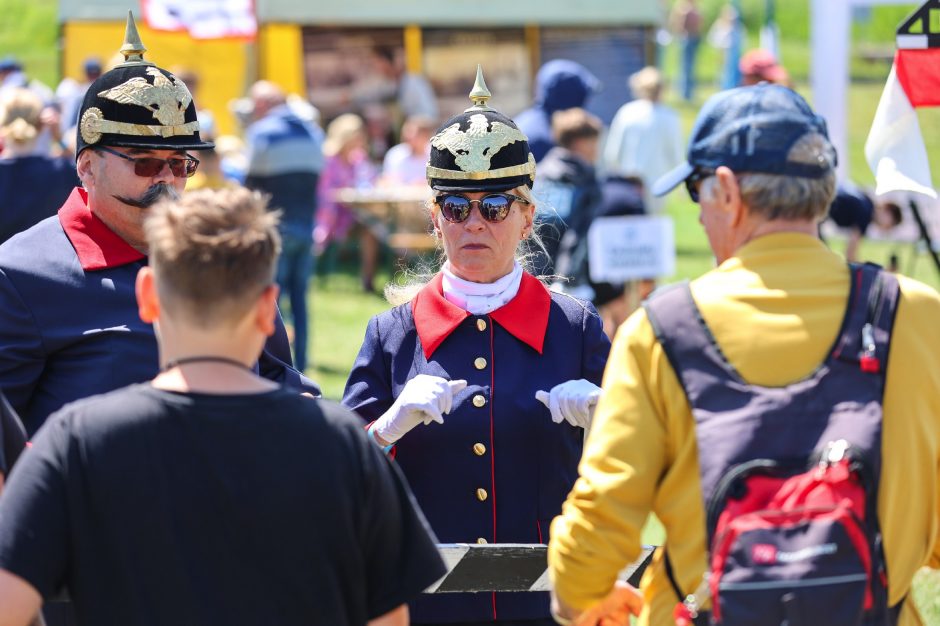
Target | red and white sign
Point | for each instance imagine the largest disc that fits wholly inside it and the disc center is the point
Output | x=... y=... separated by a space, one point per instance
x=203 y=19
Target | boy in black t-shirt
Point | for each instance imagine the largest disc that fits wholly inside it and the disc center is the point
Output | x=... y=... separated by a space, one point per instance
x=211 y=495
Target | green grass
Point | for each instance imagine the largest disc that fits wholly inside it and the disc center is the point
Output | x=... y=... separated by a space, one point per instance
x=29 y=30
x=927 y=595
x=340 y=312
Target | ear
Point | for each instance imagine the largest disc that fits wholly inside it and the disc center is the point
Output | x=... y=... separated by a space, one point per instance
x=436 y=218
x=148 y=302
x=728 y=195
x=266 y=310
x=528 y=214
x=83 y=166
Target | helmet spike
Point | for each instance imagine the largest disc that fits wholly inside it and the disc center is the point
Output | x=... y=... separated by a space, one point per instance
x=133 y=48
x=480 y=94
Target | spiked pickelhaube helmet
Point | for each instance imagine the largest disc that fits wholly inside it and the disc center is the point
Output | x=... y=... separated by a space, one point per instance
x=138 y=105
x=480 y=149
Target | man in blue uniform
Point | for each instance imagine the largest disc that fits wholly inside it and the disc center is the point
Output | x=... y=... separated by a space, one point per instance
x=68 y=319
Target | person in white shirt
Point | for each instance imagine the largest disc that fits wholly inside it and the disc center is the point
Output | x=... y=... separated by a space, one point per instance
x=406 y=163
x=645 y=140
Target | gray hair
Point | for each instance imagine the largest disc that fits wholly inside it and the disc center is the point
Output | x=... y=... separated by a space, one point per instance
x=782 y=197
x=412 y=281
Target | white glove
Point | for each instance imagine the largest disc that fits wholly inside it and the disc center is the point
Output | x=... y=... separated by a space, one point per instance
x=424 y=399
x=573 y=401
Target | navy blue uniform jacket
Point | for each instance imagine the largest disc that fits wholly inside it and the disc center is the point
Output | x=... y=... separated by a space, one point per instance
x=68 y=317
x=498 y=468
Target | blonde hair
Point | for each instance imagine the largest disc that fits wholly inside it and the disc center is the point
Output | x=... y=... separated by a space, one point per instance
x=341 y=131
x=647 y=84
x=776 y=196
x=19 y=116
x=412 y=281
x=213 y=252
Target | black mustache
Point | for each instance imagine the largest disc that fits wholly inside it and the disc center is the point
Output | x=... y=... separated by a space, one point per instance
x=150 y=197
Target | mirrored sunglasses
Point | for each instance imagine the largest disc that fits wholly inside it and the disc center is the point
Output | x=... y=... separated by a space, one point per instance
x=147 y=167
x=493 y=207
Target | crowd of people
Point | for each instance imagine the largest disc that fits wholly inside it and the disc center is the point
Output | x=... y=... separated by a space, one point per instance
x=383 y=139
x=777 y=414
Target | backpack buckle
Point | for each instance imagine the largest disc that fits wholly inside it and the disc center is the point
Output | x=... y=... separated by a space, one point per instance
x=867 y=360
x=687 y=611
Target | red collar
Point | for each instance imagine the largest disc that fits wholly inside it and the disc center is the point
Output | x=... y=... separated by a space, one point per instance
x=97 y=246
x=525 y=317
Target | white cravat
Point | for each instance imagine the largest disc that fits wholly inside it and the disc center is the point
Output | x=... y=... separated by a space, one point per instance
x=481 y=298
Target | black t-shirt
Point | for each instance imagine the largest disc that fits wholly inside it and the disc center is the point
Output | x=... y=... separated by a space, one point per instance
x=155 y=507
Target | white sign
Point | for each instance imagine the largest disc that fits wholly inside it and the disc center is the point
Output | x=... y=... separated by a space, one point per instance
x=631 y=247
x=203 y=19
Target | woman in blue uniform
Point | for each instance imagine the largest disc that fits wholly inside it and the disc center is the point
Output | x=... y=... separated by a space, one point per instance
x=481 y=385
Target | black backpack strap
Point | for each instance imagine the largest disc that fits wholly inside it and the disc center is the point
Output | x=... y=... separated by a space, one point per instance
x=866 y=330
x=687 y=341
x=702 y=619
x=671 y=575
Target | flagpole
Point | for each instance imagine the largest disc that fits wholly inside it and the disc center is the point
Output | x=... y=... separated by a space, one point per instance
x=925 y=233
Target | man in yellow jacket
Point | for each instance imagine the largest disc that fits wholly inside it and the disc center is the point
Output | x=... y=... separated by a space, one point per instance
x=762 y=169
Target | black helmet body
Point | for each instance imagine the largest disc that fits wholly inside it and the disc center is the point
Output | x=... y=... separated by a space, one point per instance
x=138 y=105
x=480 y=150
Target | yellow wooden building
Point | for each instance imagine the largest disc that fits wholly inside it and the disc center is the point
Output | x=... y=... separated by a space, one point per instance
x=312 y=48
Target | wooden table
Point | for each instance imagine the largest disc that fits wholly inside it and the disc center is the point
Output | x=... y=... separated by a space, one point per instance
x=403 y=210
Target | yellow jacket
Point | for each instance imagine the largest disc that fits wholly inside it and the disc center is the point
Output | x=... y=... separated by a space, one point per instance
x=775 y=309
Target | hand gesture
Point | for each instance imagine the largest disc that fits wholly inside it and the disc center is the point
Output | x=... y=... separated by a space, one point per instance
x=423 y=400
x=572 y=401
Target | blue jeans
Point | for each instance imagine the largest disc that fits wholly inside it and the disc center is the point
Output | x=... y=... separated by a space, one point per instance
x=687 y=69
x=293 y=272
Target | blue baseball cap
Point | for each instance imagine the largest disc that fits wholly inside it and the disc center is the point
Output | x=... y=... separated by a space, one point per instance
x=10 y=63
x=751 y=129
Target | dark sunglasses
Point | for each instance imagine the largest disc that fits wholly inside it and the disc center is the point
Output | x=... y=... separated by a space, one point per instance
x=694 y=180
x=493 y=207
x=182 y=167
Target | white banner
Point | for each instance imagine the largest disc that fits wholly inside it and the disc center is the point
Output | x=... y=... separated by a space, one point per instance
x=631 y=247
x=203 y=19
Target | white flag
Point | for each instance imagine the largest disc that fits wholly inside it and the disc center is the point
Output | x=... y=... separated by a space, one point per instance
x=895 y=149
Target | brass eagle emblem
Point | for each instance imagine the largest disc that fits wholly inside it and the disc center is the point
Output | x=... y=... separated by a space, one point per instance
x=474 y=147
x=166 y=98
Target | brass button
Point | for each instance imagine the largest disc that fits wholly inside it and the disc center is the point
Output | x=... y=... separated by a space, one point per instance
x=478 y=400
x=481 y=540
x=482 y=495
x=481 y=325
x=479 y=362
x=479 y=449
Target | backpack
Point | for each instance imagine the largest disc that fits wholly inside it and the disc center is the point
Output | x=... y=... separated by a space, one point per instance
x=789 y=474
